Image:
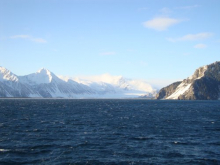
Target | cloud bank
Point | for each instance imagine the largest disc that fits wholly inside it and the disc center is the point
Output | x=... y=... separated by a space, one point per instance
x=192 y=37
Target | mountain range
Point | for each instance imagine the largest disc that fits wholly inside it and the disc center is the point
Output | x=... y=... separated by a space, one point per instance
x=45 y=84
x=204 y=84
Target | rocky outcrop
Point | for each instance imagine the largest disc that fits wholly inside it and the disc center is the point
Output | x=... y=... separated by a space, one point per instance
x=204 y=84
x=167 y=91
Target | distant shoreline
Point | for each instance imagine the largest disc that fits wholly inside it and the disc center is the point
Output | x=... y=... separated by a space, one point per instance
x=76 y=98
x=37 y=98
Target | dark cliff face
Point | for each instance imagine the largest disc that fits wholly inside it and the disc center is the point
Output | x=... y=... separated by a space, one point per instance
x=167 y=91
x=206 y=89
x=204 y=84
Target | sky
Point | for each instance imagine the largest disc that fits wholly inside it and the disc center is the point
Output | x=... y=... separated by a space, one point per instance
x=153 y=40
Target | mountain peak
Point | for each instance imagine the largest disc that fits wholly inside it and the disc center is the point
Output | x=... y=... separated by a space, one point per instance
x=206 y=70
x=42 y=76
x=44 y=70
x=5 y=74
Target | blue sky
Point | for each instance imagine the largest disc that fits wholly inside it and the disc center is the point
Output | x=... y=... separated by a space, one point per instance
x=145 y=39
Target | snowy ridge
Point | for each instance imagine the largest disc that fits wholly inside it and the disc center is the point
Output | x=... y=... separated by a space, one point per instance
x=117 y=85
x=42 y=76
x=6 y=75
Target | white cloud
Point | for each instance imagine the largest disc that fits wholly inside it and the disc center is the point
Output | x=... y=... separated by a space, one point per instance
x=192 y=37
x=38 y=40
x=161 y=23
x=20 y=36
x=200 y=46
x=107 y=78
x=107 y=53
x=187 y=7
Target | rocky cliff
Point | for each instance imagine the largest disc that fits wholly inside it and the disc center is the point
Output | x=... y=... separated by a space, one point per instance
x=167 y=91
x=204 y=84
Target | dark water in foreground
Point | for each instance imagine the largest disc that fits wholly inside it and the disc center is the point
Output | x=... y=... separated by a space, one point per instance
x=109 y=132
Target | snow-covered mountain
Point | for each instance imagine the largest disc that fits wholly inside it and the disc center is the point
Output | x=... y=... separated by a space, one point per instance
x=46 y=84
x=11 y=87
x=204 y=84
x=118 y=85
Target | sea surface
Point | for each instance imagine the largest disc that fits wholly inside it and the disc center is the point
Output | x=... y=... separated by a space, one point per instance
x=62 y=131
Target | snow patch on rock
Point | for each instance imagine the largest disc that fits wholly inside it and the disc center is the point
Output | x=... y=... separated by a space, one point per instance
x=181 y=89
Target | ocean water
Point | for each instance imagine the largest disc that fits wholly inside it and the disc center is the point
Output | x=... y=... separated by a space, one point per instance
x=61 y=131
